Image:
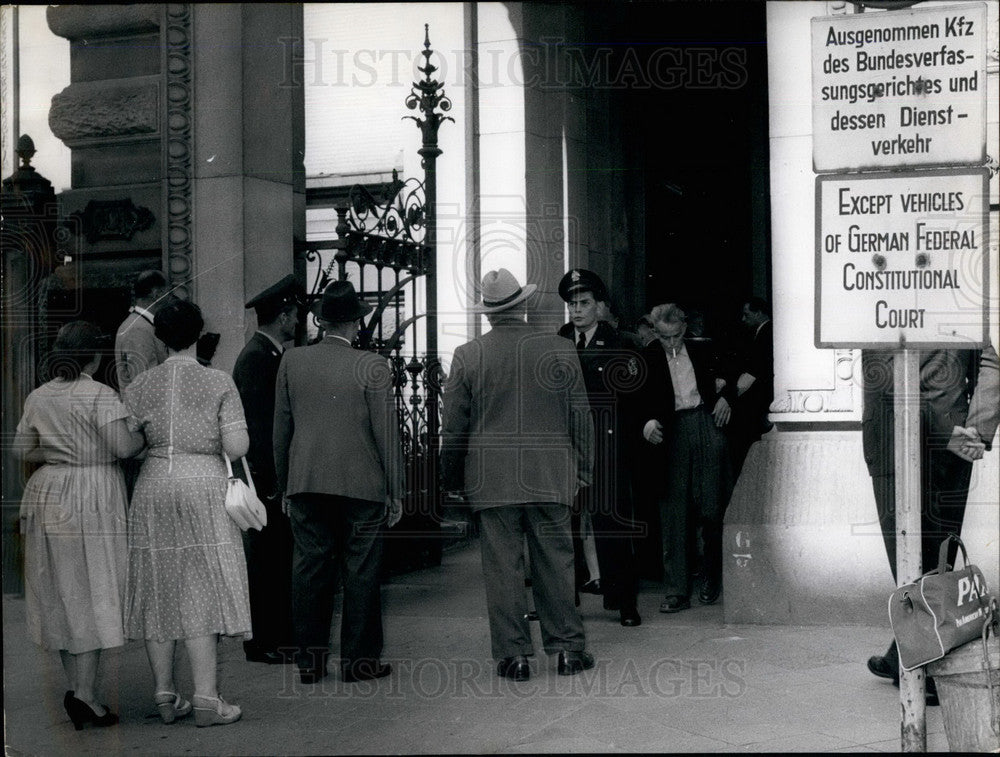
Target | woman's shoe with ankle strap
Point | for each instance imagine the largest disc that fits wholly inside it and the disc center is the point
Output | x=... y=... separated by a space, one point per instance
x=171 y=706
x=214 y=711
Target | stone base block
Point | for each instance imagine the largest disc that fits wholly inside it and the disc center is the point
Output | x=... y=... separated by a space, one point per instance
x=801 y=540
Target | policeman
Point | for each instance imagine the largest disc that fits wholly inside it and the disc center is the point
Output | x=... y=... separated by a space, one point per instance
x=610 y=371
x=269 y=551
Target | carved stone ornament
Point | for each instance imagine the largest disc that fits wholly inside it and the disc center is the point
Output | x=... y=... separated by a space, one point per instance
x=99 y=110
x=104 y=220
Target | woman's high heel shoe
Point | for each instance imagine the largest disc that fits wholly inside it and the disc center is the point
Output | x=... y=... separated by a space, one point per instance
x=214 y=711
x=171 y=706
x=81 y=714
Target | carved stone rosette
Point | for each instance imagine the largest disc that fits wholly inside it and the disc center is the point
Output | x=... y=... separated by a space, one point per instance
x=178 y=148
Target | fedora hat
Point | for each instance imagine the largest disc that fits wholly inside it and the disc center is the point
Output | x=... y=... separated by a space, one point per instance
x=340 y=304
x=501 y=291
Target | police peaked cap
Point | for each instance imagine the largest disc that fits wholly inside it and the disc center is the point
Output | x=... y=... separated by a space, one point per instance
x=270 y=302
x=582 y=280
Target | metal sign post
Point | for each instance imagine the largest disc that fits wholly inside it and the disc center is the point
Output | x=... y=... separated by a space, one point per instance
x=906 y=445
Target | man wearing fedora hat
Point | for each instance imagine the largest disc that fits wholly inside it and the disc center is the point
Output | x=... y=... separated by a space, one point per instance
x=268 y=551
x=517 y=441
x=338 y=460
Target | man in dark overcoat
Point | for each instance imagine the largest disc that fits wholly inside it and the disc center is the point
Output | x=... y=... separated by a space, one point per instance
x=610 y=373
x=754 y=383
x=268 y=551
x=517 y=442
x=338 y=459
x=687 y=403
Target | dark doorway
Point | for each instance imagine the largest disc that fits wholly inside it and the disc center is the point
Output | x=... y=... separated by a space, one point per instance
x=694 y=106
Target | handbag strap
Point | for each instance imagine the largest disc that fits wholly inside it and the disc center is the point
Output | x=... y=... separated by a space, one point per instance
x=246 y=471
x=943 y=553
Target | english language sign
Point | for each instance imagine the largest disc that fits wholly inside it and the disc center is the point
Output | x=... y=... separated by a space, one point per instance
x=901 y=259
x=899 y=89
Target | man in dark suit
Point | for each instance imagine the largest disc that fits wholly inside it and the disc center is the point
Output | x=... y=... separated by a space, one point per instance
x=755 y=382
x=610 y=372
x=338 y=460
x=268 y=551
x=687 y=404
x=517 y=441
x=959 y=413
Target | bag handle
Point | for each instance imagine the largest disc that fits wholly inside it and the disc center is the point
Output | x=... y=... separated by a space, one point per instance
x=943 y=553
x=246 y=471
x=992 y=621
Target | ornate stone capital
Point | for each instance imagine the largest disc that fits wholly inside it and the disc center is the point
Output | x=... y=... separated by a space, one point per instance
x=840 y=400
x=74 y=22
x=108 y=109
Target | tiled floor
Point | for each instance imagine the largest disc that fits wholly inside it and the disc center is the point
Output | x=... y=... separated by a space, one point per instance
x=678 y=683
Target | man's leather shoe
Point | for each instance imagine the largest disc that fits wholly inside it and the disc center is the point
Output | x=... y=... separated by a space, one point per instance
x=268 y=657
x=531 y=615
x=312 y=675
x=675 y=604
x=883 y=667
x=515 y=668
x=571 y=663
x=630 y=617
x=709 y=593
x=364 y=671
x=592 y=587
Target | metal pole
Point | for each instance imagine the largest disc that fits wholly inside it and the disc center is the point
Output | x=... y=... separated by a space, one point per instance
x=906 y=444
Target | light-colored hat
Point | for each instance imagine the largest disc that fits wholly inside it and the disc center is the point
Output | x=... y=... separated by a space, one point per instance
x=501 y=291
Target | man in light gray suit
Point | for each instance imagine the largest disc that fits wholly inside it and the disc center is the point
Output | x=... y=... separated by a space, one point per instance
x=338 y=460
x=518 y=443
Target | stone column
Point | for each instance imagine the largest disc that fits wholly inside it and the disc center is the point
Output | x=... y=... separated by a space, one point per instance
x=802 y=542
x=247 y=146
x=187 y=128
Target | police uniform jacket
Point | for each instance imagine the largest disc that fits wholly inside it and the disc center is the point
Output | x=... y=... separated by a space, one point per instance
x=516 y=426
x=255 y=375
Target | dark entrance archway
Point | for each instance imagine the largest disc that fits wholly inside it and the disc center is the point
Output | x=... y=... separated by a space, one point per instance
x=690 y=79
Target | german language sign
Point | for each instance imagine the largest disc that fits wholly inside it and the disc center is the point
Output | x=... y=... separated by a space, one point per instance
x=900 y=88
x=901 y=259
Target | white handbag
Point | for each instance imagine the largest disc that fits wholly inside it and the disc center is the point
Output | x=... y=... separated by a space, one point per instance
x=242 y=503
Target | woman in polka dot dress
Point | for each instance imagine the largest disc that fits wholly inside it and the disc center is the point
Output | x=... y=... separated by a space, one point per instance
x=187 y=574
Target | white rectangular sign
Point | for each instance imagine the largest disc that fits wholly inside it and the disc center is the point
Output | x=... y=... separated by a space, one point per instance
x=901 y=259
x=900 y=88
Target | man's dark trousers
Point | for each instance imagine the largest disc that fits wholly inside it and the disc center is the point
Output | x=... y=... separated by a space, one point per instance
x=333 y=532
x=944 y=490
x=698 y=484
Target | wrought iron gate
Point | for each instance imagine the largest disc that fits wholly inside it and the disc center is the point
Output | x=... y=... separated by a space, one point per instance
x=386 y=245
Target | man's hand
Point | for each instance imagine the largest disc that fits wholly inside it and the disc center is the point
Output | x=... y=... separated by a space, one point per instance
x=394 y=510
x=966 y=443
x=285 y=502
x=721 y=413
x=653 y=431
x=744 y=382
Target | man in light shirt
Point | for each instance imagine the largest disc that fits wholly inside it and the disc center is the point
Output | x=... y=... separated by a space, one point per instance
x=687 y=404
x=136 y=347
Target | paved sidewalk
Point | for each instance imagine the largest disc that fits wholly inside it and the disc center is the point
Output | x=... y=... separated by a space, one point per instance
x=678 y=683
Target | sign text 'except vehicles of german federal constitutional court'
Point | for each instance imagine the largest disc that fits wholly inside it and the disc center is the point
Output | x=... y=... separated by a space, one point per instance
x=901 y=259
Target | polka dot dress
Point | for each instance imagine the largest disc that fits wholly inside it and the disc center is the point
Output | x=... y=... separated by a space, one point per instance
x=186 y=568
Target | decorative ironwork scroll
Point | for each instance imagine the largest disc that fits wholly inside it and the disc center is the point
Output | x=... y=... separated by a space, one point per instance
x=387 y=248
